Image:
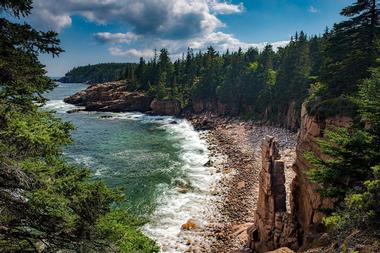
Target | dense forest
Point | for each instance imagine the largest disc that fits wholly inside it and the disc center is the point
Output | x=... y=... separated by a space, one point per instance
x=251 y=84
x=47 y=205
x=266 y=85
x=99 y=73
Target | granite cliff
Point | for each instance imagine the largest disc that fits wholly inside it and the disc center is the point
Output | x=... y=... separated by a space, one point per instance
x=299 y=227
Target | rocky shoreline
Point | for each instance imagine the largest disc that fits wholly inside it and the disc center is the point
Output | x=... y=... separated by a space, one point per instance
x=239 y=143
x=249 y=179
x=235 y=148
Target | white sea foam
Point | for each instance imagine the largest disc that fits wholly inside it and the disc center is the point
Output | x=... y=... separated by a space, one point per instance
x=174 y=208
x=59 y=106
x=89 y=162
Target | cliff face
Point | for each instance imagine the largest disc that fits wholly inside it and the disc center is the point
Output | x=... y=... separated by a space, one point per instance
x=300 y=227
x=275 y=226
x=308 y=201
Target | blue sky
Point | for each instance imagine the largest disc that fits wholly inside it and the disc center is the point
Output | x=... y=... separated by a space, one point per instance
x=96 y=31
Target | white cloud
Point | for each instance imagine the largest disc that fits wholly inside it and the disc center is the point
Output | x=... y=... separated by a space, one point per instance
x=49 y=20
x=312 y=9
x=225 y=7
x=136 y=53
x=222 y=41
x=171 y=24
x=164 y=18
x=116 y=37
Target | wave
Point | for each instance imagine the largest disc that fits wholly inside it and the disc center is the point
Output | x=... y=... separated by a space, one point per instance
x=176 y=208
x=59 y=106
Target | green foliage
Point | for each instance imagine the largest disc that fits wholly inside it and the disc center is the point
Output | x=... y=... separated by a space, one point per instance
x=351 y=171
x=351 y=48
x=369 y=99
x=253 y=66
x=367 y=201
x=46 y=204
x=246 y=83
x=348 y=165
x=339 y=106
x=123 y=229
x=33 y=132
x=101 y=73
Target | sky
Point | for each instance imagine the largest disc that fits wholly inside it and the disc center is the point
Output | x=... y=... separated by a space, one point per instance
x=100 y=31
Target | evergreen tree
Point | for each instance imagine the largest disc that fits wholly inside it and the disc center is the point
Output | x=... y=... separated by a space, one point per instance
x=141 y=75
x=293 y=79
x=351 y=174
x=351 y=48
x=266 y=79
x=46 y=204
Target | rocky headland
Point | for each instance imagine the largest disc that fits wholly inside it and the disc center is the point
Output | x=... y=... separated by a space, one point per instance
x=115 y=97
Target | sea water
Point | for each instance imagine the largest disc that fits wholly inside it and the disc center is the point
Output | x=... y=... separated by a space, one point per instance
x=159 y=162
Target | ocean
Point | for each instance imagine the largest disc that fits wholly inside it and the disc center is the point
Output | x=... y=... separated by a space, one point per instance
x=159 y=162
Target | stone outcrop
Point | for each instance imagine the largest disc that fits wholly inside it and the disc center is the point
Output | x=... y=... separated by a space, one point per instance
x=115 y=97
x=165 y=107
x=111 y=97
x=308 y=201
x=299 y=228
x=275 y=226
x=287 y=117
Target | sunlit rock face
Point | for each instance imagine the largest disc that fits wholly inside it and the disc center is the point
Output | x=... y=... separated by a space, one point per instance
x=274 y=225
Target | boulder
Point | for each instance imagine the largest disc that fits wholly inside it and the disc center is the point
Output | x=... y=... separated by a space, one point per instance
x=282 y=250
x=190 y=225
x=75 y=110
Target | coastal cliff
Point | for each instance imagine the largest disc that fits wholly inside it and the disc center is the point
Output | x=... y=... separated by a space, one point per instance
x=300 y=227
x=308 y=201
x=275 y=226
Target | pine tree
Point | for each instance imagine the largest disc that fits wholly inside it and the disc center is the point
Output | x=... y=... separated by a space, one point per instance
x=293 y=79
x=46 y=204
x=141 y=75
x=351 y=48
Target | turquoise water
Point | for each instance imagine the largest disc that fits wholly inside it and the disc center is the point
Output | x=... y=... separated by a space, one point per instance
x=151 y=158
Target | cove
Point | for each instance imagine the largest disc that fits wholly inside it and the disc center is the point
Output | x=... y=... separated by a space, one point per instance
x=157 y=161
